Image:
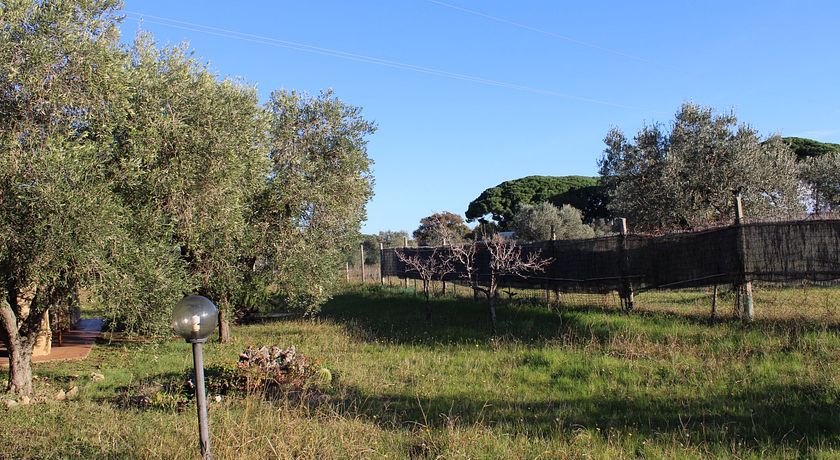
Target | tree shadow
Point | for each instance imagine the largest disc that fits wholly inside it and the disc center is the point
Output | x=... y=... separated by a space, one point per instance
x=794 y=416
x=168 y=391
x=398 y=317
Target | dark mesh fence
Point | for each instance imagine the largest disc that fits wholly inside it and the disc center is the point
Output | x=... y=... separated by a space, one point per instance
x=775 y=252
x=793 y=251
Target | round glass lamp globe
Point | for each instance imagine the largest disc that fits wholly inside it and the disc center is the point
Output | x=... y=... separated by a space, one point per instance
x=195 y=318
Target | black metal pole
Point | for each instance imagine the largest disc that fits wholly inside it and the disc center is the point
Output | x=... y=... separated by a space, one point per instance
x=201 y=402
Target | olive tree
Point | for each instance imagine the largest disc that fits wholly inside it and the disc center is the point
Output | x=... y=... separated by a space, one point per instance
x=62 y=225
x=821 y=177
x=194 y=147
x=308 y=212
x=139 y=176
x=686 y=176
x=537 y=222
x=441 y=228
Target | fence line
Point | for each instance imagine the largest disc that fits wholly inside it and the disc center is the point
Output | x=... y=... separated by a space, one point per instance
x=772 y=251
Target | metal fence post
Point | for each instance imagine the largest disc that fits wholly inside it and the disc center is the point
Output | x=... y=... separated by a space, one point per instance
x=405 y=275
x=362 y=255
x=626 y=283
x=381 y=256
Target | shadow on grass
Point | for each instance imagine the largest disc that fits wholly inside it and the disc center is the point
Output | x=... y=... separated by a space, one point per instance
x=798 y=417
x=170 y=391
x=399 y=317
x=395 y=316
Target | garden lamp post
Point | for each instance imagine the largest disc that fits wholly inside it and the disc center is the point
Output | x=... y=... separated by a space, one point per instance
x=195 y=318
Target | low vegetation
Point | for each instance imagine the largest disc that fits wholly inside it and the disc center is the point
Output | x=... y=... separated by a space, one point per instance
x=581 y=381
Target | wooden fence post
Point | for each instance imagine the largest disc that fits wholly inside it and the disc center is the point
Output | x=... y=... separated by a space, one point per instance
x=713 y=318
x=362 y=254
x=347 y=271
x=626 y=283
x=747 y=307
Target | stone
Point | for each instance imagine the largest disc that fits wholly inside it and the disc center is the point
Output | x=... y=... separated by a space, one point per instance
x=97 y=377
x=10 y=403
x=25 y=400
x=73 y=392
x=60 y=396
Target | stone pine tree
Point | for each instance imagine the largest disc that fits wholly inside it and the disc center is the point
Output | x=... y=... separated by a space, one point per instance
x=686 y=176
x=501 y=203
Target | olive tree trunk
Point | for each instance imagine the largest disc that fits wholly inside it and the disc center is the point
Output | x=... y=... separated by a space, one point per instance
x=224 y=327
x=20 y=351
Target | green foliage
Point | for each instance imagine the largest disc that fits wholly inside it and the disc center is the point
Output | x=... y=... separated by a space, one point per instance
x=535 y=223
x=821 y=175
x=371 y=245
x=393 y=239
x=192 y=150
x=503 y=200
x=138 y=176
x=805 y=148
x=687 y=177
x=440 y=226
x=62 y=223
x=307 y=215
x=388 y=238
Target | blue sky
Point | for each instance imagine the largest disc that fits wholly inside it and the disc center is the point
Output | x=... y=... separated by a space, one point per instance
x=468 y=94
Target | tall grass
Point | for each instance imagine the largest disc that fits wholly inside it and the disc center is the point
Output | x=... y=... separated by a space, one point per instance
x=579 y=381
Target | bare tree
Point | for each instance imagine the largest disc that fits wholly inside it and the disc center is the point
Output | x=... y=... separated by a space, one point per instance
x=506 y=258
x=434 y=266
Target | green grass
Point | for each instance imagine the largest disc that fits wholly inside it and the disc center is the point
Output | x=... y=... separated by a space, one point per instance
x=582 y=381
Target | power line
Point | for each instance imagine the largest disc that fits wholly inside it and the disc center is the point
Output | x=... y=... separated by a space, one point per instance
x=541 y=31
x=269 y=41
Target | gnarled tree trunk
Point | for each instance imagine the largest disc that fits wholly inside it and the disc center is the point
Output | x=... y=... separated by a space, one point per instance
x=21 y=315
x=20 y=367
x=20 y=351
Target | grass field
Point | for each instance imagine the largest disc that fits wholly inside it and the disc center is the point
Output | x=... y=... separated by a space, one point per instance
x=583 y=381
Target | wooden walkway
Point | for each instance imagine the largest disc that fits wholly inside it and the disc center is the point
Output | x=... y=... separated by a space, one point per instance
x=75 y=344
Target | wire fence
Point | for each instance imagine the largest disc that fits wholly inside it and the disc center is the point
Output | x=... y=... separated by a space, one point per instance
x=803 y=302
x=772 y=252
x=795 y=265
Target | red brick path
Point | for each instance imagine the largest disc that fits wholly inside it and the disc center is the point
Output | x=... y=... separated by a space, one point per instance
x=75 y=344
